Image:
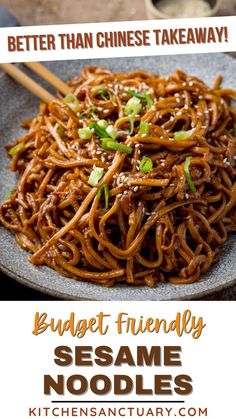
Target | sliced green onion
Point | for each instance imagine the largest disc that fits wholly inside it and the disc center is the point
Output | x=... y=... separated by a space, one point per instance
x=131 y=122
x=133 y=106
x=144 y=128
x=111 y=96
x=148 y=100
x=16 y=149
x=100 y=132
x=235 y=129
x=143 y=96
x=104 y=189
x=103 y=133
x=85 y=133
x=183 y=135
x=146 y=165
x=72 y=101
x=95 y=176
x=61 y=131
x=102 y=123
x=101 y=90
x=89 y=111
x=109 y=144
x=111 y=131
x=188 y=175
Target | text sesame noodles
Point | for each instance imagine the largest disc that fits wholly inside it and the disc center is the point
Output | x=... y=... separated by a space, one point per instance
x=130 y=178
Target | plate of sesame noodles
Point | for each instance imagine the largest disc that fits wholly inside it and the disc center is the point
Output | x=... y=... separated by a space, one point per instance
x=125 y=189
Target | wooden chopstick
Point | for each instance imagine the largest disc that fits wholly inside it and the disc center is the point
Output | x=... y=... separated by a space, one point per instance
x=50 y=77
x=27 y=82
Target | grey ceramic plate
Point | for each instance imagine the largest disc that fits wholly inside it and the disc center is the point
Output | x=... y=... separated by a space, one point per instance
x=17 y=104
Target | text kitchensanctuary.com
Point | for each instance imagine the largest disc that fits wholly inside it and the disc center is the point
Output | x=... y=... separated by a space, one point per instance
x=130 y=411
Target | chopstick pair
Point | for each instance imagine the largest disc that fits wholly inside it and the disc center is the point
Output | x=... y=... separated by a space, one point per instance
x=32 y=85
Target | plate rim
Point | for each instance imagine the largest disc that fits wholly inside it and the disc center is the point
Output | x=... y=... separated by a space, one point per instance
x=55 y=293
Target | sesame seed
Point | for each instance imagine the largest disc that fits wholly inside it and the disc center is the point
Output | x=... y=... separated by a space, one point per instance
x=136 y=188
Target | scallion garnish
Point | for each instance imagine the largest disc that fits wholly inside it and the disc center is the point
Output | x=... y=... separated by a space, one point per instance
x=188 y=175
x=105 y=190
x=16 y=149
x=146 y=165
x=100 y=132
x=85 y=133
x=133 y=106
x=102 y=123
x=112 y=132
x=131 y=123
x=72 y=101
x=89 y=111
x=144 y=128
x=102 y=91
x=183 y=135
x=95 y=176
x=143 y=96
x=109 y=144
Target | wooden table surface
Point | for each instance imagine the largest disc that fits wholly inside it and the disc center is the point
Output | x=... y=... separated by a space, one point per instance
x=39 y=12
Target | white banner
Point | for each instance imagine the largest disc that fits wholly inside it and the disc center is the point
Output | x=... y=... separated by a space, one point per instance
x=117 y=39
x=117 y=359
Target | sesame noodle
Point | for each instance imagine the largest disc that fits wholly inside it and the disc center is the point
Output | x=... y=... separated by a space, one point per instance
x=132 y=178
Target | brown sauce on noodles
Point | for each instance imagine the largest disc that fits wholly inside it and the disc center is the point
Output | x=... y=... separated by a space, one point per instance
x=167 y=220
